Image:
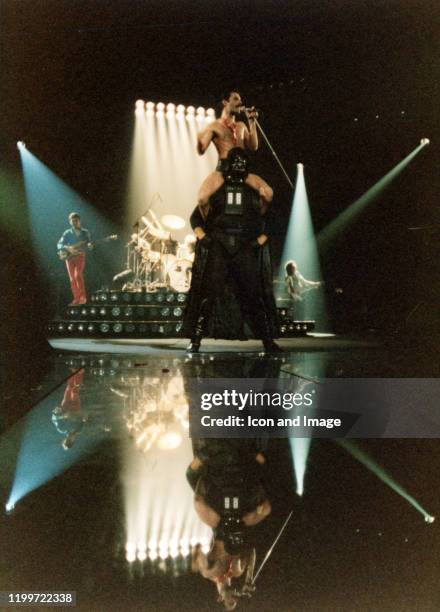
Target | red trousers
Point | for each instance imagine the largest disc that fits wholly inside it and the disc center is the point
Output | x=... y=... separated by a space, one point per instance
x=75 y=268
x=72 y=400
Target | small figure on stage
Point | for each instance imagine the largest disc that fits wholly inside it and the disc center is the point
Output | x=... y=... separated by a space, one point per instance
x=72 y=248
x=295 y=283
x=228 y=133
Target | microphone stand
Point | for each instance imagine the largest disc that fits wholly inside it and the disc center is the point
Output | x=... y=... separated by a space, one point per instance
x=269 y=552
x=272 y=150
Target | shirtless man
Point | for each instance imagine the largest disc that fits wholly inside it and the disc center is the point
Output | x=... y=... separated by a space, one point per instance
x=228 y=133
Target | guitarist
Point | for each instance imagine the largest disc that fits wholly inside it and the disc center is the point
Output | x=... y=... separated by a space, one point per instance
x=295 y=283
x=72 y=247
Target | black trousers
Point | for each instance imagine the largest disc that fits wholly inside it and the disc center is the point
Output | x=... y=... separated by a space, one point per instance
x=239 y=264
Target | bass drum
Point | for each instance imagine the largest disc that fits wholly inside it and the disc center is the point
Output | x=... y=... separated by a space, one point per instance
x=179 y=275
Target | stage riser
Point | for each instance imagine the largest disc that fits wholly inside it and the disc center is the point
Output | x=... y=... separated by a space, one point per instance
x=81 y=328
x=125 y=314
x=122 y=312
x=141 y=298
x=115 y=329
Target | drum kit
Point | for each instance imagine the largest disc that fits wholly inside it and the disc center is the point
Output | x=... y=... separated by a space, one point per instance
x=154 y=259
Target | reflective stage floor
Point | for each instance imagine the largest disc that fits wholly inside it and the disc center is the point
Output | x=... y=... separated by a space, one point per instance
x=94 y=452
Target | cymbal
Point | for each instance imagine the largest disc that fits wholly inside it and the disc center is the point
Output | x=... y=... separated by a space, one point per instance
x=173 y=222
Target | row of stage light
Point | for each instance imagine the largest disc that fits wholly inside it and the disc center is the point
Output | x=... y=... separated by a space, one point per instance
x=164 y=549
x=171 y=111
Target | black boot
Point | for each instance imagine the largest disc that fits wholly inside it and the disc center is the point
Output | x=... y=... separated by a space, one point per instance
x=266 y=332
x=196 y=339
x=270 y=346
x=193 y=346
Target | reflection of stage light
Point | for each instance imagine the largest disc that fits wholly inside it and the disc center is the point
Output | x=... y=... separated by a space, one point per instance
x=131 y=556
x=169 y=441
x=142 y=555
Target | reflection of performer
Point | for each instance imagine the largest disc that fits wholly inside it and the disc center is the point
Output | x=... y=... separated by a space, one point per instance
x=69 y=418
x=227 y=133
x=71 y=247
x=295 y=283
x=228 y=479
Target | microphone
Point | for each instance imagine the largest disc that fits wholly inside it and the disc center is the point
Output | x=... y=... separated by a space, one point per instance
x=251 y=109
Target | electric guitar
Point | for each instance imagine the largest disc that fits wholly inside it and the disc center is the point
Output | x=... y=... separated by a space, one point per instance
x=78 y=247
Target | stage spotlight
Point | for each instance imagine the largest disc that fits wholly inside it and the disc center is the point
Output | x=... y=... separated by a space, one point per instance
x=300 y=167
x=180 y=108
x=201 y=111
x=21 y=145
x=210 y=112
x=160 y=107
x=9 y=507
x=139 y=108
x=429 y=518
x=190 y=110
x=425 y=141
x=171 y=107
x=149 y=105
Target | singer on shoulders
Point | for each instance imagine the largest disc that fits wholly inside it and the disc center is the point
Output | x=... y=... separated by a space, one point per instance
x=227 y=133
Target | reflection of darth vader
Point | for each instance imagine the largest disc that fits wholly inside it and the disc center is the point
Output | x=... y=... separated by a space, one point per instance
x=228 y=478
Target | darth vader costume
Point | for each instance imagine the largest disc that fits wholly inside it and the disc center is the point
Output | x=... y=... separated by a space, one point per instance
x=231 y=289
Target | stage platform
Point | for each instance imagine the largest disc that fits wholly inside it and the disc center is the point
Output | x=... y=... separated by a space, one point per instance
x=176 y=346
